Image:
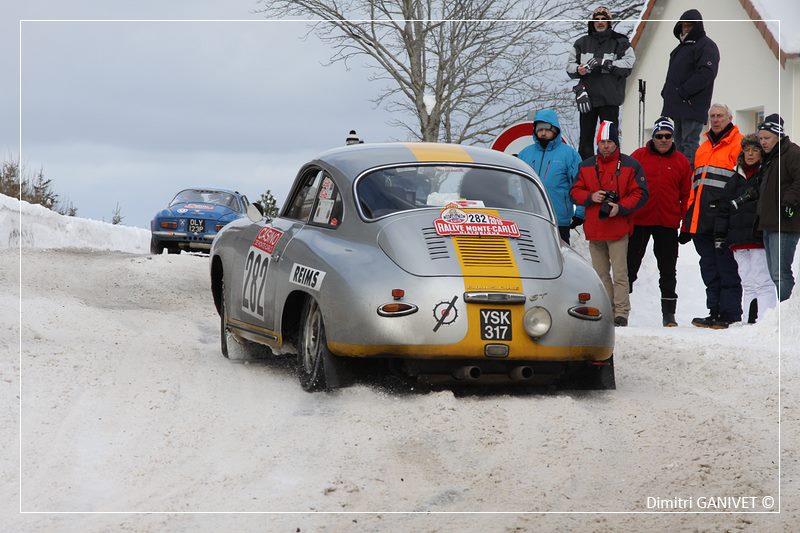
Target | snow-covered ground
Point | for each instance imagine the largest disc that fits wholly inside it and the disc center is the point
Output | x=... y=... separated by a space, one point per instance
x=131 y=419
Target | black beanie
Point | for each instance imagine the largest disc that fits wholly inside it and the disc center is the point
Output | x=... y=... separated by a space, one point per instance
x=774 y=124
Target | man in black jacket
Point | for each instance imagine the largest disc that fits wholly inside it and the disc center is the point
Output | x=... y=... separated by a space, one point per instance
x=687 y=91
x=601 y=60
x=779 y=202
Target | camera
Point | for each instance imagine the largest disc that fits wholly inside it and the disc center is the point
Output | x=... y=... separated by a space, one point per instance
x=750 y=195
x=605 y=209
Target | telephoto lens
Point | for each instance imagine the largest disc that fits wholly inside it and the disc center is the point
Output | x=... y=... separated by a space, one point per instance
x=749 y=195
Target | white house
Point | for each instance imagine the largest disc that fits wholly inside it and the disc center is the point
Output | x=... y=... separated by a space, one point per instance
x=759 y=70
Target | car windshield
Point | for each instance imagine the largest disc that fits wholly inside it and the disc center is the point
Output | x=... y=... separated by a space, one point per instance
x=225 y=199
x=390 y=190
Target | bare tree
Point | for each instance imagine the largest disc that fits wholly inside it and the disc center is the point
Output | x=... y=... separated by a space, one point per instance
x=462 y=68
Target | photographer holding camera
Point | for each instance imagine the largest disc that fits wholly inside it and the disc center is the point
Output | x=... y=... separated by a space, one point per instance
x=734 y=228
x=611 y=186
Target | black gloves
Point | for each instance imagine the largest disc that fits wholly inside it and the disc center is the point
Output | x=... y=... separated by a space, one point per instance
x=576 y=221
x=608 y=67
x=582 y=98
x=719 y=242
x=592 y=64
x=684 y=237
x=788 y=212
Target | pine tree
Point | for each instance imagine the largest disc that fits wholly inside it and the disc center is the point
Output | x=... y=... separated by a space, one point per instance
x=268 y=204
x=117 y=215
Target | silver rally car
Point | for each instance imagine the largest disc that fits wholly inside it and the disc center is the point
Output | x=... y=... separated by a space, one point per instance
x=442 y=262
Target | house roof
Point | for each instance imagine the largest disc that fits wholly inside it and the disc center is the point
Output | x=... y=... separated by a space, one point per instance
x=765 y=15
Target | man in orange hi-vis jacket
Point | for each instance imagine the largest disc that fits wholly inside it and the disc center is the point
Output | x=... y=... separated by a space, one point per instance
x=713 y=167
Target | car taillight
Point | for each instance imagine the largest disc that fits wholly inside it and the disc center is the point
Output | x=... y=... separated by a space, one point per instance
x=397 y=309
x=169 y=224
x=585 y=312
x=219 y=226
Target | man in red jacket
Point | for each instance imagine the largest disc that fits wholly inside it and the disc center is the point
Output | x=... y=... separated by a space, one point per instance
x=611 y=186
x=669 y=180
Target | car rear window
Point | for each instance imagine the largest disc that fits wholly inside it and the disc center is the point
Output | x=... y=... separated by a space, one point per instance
x=207 y=197
x=391 y=190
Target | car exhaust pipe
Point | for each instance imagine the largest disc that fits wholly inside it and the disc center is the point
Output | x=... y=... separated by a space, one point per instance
x=521 y=373
x=469 y=373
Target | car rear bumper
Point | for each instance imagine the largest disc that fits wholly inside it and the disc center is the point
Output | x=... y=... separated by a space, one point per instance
x=185 y=240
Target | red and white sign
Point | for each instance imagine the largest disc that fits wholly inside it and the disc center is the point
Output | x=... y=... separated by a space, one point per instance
x=267 y=238
x=454 y=222
x=514 y=138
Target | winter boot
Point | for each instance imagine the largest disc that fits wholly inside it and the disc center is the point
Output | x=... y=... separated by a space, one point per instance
x=752 y=314
x=668 y=312
x=706 y=322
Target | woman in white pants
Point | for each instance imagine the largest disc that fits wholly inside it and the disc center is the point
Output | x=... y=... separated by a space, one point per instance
x=735 y=226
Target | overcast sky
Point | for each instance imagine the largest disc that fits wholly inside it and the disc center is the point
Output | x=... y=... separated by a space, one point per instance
x=132 y=112
x=129 y=112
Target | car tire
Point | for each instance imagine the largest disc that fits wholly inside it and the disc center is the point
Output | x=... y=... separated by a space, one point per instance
x=312 y=348
x=156 y=246
x=232 y=346
x=600 y=377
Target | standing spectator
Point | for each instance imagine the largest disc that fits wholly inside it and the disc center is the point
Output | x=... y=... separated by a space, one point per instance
x=669 y=180
x=713 y=163
x=779 y=202
x=735 y=227
x=602 y=60
x=687 y=90
x=556 y=163
x=611 y=186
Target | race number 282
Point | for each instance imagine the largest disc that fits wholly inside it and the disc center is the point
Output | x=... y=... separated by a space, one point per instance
x=255 y=277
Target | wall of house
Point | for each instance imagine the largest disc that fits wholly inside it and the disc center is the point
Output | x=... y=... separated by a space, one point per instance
x=749 y=74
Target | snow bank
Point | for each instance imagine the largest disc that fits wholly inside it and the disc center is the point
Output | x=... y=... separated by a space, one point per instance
x=43 y=228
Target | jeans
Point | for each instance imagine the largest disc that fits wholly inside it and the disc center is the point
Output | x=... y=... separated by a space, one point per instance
x=588 y=123
x=780 y=247
x=687 y=137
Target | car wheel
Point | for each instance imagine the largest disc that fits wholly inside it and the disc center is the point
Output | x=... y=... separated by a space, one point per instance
x=600 y=377
x=232 y=346
x=312 y=349
x=156 y=246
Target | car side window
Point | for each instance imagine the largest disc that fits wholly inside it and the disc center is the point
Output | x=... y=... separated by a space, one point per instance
x=328 y=210
x=303 y=201
x=244 y=203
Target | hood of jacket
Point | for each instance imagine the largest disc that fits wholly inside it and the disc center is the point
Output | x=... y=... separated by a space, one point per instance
x=698 y=30
x=549 y=116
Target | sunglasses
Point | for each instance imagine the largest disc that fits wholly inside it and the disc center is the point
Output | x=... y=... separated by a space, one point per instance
x=601 y=18
x=661 y=136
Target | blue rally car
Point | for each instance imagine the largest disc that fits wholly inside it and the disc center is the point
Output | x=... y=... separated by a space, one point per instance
x=193 y=218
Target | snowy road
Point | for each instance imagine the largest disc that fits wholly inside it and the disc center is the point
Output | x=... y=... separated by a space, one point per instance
x=127 y=406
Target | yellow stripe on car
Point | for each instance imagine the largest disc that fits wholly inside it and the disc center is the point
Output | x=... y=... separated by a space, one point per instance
x=431 y=152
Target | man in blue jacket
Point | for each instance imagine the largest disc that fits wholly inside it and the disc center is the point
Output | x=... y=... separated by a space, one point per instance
x=556 y=163
x=693 y=66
